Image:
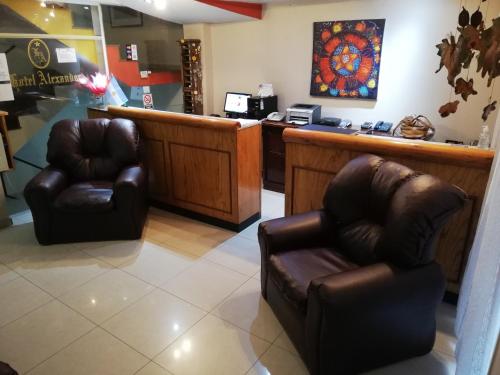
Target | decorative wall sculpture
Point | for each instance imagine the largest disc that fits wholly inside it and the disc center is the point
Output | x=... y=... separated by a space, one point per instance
x=346 y=58
x=475 y=40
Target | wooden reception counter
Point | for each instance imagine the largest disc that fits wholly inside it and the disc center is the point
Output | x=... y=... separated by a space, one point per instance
x=205 y=167
x=313 y=158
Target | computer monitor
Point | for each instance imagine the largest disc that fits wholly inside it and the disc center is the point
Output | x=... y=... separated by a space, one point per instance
x=236 y=102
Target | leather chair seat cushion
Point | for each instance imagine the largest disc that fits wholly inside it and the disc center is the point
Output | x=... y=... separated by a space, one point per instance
x=293 y=271
x=86 y=197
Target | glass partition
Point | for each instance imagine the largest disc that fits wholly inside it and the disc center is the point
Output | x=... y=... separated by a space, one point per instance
x=47 y=45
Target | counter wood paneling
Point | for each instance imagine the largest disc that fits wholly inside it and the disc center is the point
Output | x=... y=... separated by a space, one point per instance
x=201 y=165
x=313 y=158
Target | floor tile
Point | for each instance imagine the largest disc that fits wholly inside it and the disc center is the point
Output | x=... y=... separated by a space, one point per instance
x=153 y=369
x=445 y=336
x=238 y=253
x=153 y=322
x=247 y=309
x=106 y=295
x=434 y=363
x=38 y=257
x=97 y=352
x=19 y=242
x=118 y=252
x=155 y=264
x=277 y=361
x=181 y=233
x=251 y=231
x=6 y=274
x=273 y=204
x=205 y=284
x=38 y=335
x=66 y=273
x=256 y=276
x=19 y=297
x=284 y=342
x=212 y=346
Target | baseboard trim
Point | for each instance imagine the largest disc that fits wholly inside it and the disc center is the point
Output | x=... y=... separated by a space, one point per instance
x=207 y=219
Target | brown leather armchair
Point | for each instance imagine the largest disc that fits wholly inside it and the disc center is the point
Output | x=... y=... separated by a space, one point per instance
x=95 y=187
x=354 y=284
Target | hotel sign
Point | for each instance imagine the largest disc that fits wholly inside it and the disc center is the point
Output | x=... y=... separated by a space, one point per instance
x=35 y=66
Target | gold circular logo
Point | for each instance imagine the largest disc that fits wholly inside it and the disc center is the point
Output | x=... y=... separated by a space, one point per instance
x=38 y=53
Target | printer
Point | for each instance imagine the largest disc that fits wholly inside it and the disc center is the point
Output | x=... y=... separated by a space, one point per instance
x=303 y=114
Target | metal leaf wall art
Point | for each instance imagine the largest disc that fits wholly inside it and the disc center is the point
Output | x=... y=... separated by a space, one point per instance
x=456 y=55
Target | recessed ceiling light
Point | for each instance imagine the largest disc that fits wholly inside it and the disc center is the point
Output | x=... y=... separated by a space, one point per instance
x=160 y=4
x=86 y=7
x=46 y=20
x=43 y=5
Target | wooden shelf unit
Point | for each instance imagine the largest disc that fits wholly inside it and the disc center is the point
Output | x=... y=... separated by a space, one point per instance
x=191 y=76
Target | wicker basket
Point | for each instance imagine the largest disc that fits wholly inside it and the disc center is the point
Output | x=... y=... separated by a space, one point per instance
x=415 y=127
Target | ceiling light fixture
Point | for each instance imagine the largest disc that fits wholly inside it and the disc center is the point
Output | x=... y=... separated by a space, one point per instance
x=52 y=13
x=160 y=4
x=43 y=5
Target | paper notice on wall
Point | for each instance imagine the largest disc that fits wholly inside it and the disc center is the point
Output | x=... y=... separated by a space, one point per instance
x=4 y=68
x=66 y=55
x=6 y=93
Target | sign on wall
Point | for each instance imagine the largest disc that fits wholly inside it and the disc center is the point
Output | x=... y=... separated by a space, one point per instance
x=5 y=85
x=346 y=58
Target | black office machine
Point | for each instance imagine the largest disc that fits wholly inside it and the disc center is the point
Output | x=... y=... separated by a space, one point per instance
x=260 y=107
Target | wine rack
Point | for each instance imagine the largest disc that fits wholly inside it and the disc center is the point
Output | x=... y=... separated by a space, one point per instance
x=191 y=76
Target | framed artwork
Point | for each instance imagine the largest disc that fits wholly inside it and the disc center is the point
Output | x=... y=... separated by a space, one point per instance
x=346 y=58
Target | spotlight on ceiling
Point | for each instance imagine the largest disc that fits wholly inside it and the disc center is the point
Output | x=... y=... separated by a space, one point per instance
x=160 y=4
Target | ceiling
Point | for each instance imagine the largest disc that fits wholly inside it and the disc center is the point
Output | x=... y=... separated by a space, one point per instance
x=191 y=11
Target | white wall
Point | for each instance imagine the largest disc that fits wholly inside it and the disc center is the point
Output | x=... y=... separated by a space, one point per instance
x=278 y=49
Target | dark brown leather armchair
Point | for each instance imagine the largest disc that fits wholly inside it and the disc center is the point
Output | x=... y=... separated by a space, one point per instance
x=354 y=284
x=95 y=187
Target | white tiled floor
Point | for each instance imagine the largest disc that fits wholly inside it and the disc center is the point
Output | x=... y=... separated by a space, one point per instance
x=184 y=300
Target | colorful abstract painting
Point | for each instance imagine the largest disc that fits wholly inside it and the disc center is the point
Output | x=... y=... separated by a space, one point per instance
x=346 y=58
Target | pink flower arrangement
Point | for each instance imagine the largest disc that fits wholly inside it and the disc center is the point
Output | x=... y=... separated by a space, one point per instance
x=96 y=84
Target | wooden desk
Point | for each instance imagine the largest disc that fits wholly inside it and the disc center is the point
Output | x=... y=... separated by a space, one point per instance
x=204 y=167
x=313 y=158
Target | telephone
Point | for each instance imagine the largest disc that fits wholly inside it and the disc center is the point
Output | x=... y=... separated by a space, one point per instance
x=276 y=116
x=344 y=124
x=382 y=126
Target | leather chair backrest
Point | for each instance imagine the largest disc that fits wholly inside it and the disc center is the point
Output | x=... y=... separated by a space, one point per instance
x=96 y=149
x=385 y=211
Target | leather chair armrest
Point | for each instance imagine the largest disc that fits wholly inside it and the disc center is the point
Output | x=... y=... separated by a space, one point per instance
x=46 y=185
x=131 y=177
x=39 y=193
x=306 y=230
x=386 y=313
x=130 y=192
x=130 y=184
